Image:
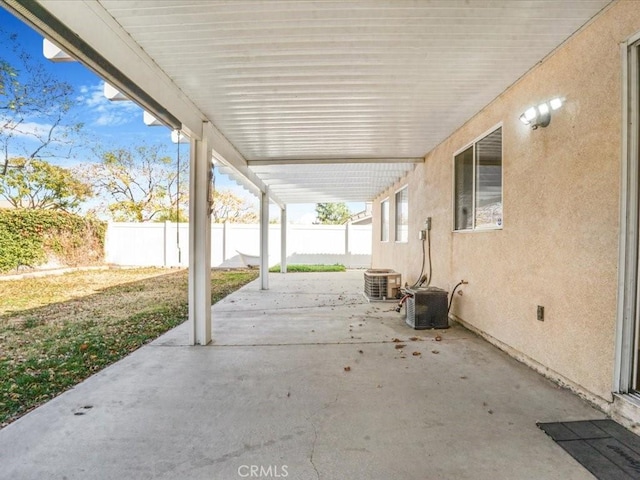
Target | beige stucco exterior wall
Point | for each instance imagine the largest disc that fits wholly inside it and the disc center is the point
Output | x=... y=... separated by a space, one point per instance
x=561 y=190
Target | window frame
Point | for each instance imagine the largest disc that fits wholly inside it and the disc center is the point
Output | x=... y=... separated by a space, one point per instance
x=473 y=143
x=383 y=230
x=395 y=214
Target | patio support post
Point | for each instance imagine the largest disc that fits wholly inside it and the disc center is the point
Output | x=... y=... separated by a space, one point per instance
x=264 y=240
x=283 y=240
x=199 y=243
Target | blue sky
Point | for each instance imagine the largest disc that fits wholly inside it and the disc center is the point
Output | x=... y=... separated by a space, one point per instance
x=112 y=124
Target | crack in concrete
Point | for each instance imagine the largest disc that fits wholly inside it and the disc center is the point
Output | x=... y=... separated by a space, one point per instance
x=313 y=449
x=315 y=434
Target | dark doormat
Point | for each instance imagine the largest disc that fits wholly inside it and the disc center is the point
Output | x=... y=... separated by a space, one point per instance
x=608 y=450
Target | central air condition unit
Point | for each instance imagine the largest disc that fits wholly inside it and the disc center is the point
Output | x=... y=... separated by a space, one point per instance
x=427 y=308
x=382 y=284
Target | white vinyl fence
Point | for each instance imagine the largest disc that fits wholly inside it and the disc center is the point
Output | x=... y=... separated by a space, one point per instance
x=167 y=244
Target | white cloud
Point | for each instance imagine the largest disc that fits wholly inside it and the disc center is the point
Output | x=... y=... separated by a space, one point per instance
x=31 y=131
x=105 y=113
x=25 y=129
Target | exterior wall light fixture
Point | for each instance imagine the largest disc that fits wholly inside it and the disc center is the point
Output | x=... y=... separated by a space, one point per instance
x=540 y=116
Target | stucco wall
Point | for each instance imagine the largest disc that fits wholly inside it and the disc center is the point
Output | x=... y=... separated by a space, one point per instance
x=561 y=188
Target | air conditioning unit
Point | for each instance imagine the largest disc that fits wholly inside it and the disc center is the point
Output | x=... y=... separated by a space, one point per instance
x=427 y=308
x=382 y=284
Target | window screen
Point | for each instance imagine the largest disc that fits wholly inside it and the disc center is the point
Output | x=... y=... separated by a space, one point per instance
x=384 y=221
x=402 y=216
x=478 y=184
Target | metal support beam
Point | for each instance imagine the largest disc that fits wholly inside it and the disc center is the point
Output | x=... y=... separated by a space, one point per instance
x=283 y=240
x=264 y=241
x=199 y=243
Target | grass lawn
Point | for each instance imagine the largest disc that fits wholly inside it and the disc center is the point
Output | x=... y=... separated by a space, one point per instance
x=56 y=331
x=310 y=268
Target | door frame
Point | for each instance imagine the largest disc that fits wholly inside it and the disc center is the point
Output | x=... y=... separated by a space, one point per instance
x=628 y=283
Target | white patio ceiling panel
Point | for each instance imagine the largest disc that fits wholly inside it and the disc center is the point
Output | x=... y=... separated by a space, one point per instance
x=343 y=80
x=331 y=183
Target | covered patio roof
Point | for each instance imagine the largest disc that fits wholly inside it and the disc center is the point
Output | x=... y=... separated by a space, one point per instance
x=304 y=101
x=316 y=100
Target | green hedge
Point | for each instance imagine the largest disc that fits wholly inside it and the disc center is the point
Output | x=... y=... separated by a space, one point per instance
x=31 y=237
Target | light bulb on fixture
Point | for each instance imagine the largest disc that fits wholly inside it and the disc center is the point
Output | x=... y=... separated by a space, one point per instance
x=529 y=115
x=555 y=103
x=540 y=115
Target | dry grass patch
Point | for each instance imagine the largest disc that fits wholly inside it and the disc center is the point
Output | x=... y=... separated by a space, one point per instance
x=56 y=331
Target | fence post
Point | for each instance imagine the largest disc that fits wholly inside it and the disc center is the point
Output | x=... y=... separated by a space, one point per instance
x=165 y=260
x=224 y=241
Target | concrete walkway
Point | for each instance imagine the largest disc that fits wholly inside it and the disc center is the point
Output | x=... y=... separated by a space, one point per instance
x=271 y=398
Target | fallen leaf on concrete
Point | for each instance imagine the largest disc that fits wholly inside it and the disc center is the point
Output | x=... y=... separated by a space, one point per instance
x=396 y=340
x=400 y=345
x=379 y=386
x=347 y=369
x=415 y=339
x=360 y=351
x=416 y=354
x=490 y=412
x=288 y=394
x=438 y=338
x=435 y=351
x=463 y=377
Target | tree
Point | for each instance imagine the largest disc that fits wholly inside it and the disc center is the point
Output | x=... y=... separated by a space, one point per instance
x=35 y=108
x=140 y=184
x=228 y=207
x=332 y=213
x=38 y=184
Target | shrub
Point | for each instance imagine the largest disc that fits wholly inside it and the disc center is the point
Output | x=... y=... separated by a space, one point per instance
x=30 y=237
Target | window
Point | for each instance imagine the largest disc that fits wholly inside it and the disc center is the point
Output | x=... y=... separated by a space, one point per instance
x=402 y=215
x=478 y=184
x=384 y=220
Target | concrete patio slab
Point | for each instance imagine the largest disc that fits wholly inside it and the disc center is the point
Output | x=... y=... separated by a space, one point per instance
x=271 y=398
